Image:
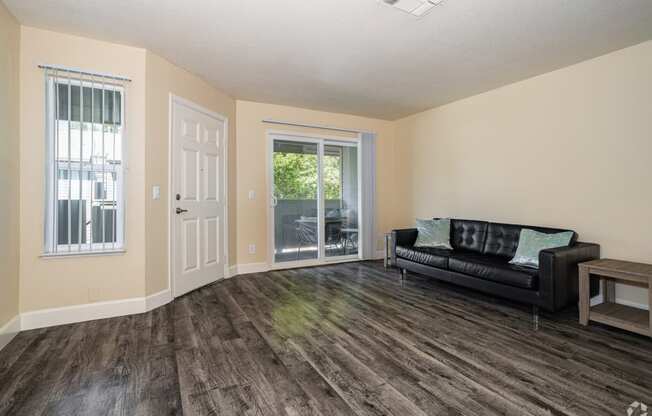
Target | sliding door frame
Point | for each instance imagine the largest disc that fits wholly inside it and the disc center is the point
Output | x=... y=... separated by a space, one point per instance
x=321 y=141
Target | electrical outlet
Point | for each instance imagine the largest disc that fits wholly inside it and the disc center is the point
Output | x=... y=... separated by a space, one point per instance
x=252 y=249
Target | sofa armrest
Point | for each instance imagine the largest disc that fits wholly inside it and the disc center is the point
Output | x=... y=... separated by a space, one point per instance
x=404 y=237
x=558 y=273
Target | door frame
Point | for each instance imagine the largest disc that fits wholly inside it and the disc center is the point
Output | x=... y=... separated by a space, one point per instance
x=175 y=99
x=320 y=140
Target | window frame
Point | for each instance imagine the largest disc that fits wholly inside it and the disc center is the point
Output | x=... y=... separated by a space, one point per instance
x=51 y=248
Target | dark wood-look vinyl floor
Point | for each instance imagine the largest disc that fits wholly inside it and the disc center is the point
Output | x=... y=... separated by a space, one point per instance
x=345 y=339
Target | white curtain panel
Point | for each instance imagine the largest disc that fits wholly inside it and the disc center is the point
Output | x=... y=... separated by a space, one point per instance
x=368 y=180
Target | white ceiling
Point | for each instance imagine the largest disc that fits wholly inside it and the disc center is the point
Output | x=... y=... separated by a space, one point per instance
x=355 y=56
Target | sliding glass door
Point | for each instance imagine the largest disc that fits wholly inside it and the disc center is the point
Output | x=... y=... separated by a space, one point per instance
x=295 y=200
x=341 y=200
x=315 y=199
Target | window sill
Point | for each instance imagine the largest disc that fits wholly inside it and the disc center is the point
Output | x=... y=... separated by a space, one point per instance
x=116 y=252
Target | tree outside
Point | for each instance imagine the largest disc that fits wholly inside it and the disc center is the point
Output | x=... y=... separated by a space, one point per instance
x=295 y=176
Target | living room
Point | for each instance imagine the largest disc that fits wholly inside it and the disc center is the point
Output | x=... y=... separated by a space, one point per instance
x=409 y=207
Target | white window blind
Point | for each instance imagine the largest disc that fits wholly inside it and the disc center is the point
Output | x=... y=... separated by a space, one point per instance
x=85 y=133
x=368 y=203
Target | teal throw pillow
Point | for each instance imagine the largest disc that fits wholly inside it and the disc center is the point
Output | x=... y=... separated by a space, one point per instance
x=531 y=242
x=434 y=233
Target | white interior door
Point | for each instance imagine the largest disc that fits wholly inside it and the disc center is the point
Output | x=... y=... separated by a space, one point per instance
x=198 y=197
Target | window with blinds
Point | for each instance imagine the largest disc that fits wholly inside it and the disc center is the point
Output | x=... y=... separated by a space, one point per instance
x=85 y=163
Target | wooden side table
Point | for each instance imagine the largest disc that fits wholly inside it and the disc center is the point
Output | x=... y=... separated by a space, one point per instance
x=609 y=312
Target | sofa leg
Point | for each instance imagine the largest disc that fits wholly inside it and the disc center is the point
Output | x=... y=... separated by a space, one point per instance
x=403 y=274
x=535 y=317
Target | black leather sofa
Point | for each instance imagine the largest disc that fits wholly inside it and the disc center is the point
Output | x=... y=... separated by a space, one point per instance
x=480 y=260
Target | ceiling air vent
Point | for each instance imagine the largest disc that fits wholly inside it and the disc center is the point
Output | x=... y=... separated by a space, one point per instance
x=415 y=7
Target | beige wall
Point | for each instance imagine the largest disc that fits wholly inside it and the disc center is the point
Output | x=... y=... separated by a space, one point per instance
x=251 y=165
x=164 y=78
x=9 y=164
x=56 y=282
x=571 y=148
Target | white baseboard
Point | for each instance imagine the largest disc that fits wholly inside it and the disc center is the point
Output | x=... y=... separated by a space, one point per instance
x=158 y=299
x=632 y=304
x=231 y=271
x=9 y=331
x=251 y=268
x=44 y=318
x=596 y=300
x=264 y=267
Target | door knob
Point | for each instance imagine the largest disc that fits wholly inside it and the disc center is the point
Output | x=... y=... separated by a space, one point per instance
x=181 y=210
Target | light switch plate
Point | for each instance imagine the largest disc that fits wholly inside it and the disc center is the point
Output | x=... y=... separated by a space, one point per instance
x=156 y=192
x=252 y=195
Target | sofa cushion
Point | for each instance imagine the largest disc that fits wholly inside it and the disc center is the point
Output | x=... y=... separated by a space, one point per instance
x=468 y=235
x=494 y=268
x=502 y=239
x=436 y=257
